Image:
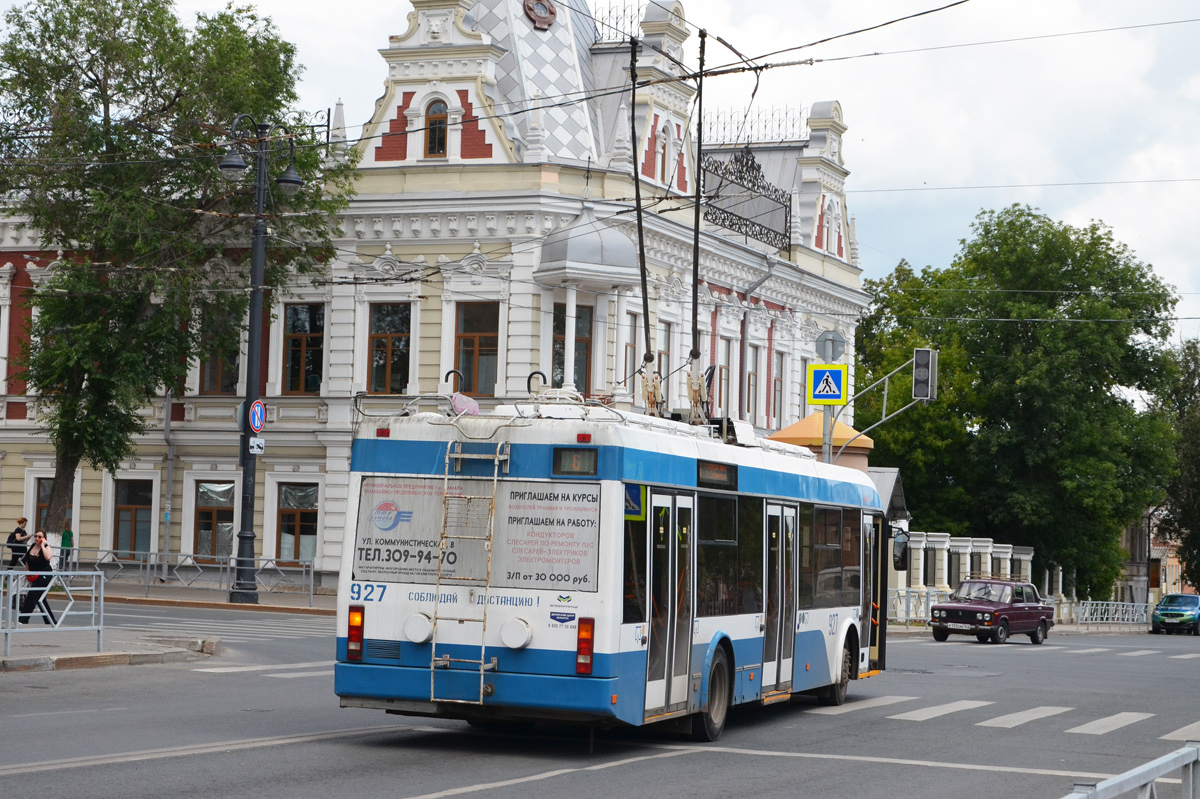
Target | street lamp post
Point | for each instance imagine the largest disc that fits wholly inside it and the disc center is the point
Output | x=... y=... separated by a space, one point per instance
x=257 y=136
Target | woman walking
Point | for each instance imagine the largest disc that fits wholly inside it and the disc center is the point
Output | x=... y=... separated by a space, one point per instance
x=37 y=561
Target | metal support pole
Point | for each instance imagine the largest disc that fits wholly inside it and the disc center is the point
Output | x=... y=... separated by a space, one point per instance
x=828 y=416
x=245 y=587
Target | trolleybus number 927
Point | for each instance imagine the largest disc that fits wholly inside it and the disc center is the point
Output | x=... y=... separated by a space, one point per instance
x=367 y=592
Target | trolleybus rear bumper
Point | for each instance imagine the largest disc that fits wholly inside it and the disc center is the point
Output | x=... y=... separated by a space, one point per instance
x=406 y=690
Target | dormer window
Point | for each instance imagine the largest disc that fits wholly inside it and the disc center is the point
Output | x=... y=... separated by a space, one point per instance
x=436 y=122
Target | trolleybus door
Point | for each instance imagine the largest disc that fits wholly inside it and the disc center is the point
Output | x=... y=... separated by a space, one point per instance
x=779 y=635
x=671 y=604
x=875 y=590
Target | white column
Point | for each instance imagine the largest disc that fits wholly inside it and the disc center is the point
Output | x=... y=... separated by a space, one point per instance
x=454 y=147
x=569 y=340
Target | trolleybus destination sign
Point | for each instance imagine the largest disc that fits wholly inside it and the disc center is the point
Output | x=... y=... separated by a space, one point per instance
x=545 y=535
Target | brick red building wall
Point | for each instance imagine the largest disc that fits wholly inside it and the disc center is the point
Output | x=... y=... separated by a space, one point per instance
x=650 y=163
x=474 y=140
x=394 y=145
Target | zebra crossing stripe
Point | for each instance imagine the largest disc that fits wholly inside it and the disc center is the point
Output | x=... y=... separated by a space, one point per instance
x=862 y=704
x=1017 y=719
x=940 y=710
x=1189 y=733
x=1110 y=723
x=1184 y=657
x=290 y=675
x=272 y=667
x=1137 y=653
x=1088 y=651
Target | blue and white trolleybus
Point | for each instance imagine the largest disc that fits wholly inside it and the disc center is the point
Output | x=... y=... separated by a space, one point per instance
x=555 y=560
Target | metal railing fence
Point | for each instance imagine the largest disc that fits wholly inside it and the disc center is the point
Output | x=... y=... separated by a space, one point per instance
x=148 y=569
x=1121 y=615
x=83 y=592
x=1140 y=781
x=911 y=606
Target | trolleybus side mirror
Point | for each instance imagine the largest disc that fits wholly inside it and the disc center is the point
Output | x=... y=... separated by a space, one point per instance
x=899 y=549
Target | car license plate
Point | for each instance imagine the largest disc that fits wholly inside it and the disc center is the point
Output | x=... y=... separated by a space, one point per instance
x=956 y=626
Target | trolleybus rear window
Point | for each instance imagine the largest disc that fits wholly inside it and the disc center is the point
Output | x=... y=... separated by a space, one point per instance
x=544 y=535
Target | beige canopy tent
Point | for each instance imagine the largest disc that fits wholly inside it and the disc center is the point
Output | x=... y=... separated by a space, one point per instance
x=807 y=433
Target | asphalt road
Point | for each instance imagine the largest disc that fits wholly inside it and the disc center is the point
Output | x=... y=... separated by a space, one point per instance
x=947 y=720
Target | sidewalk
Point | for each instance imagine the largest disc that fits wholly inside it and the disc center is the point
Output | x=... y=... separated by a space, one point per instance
x=38 y=648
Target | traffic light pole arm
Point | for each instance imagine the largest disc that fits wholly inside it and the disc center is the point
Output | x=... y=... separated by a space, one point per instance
x=886 y=416
x=872 y=427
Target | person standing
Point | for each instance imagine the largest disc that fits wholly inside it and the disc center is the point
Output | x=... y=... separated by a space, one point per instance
x=18 y=542
x=66 y=552
x=37 y=560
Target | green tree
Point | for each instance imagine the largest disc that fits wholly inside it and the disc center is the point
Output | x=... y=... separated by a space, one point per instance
x=927 y=438
x=1179 y=399
x=1045 y=329
x=116 y=112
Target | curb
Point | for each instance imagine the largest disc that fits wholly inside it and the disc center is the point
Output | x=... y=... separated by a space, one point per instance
x=181 y=650
x=212 y=605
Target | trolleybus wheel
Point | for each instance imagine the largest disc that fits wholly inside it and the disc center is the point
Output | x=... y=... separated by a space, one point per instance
x=708 y=724
x=836 y=693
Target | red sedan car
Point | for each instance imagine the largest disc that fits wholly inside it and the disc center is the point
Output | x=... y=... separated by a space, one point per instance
x=992 y=610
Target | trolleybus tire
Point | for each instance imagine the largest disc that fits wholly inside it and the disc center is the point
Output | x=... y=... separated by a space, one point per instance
x=708 y=724
x=836 y=693
x=941 y=635
x=1000 y=634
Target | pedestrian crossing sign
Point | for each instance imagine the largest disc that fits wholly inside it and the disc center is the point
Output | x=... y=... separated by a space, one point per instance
x=827 y=383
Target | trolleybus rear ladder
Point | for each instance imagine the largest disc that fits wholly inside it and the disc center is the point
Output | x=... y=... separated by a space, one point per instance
x=467 y=518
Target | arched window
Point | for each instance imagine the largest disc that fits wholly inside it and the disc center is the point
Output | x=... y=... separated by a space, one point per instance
x=435 y=130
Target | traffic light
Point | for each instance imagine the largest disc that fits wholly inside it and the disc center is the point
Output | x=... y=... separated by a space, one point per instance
x=924 y=374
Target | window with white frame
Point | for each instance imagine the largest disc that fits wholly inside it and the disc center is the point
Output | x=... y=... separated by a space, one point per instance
x=583 y=347
x=303 y=347
x=803 y=398
x=777 y=392
x=632 y=361
x=663 y=359
x=297 y=522
x=724 y=354
x=132 y=516
x=389 y=346
x=752 y=383
x=213 y=528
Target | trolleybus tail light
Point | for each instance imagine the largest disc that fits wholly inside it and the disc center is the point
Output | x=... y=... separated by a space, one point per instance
x=354 y=634
x=583 y=438
x=583 y=647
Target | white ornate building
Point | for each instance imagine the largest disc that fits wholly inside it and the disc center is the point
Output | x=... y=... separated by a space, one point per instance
x=495 y=205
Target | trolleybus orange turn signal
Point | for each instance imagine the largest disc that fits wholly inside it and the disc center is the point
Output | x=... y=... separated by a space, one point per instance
x=354 y=633
x=583 y=646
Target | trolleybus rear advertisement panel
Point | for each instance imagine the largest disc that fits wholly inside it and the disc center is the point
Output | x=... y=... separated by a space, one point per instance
x=547 y=534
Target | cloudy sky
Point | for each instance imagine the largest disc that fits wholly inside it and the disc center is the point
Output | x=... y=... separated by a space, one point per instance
x=1090 y=110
